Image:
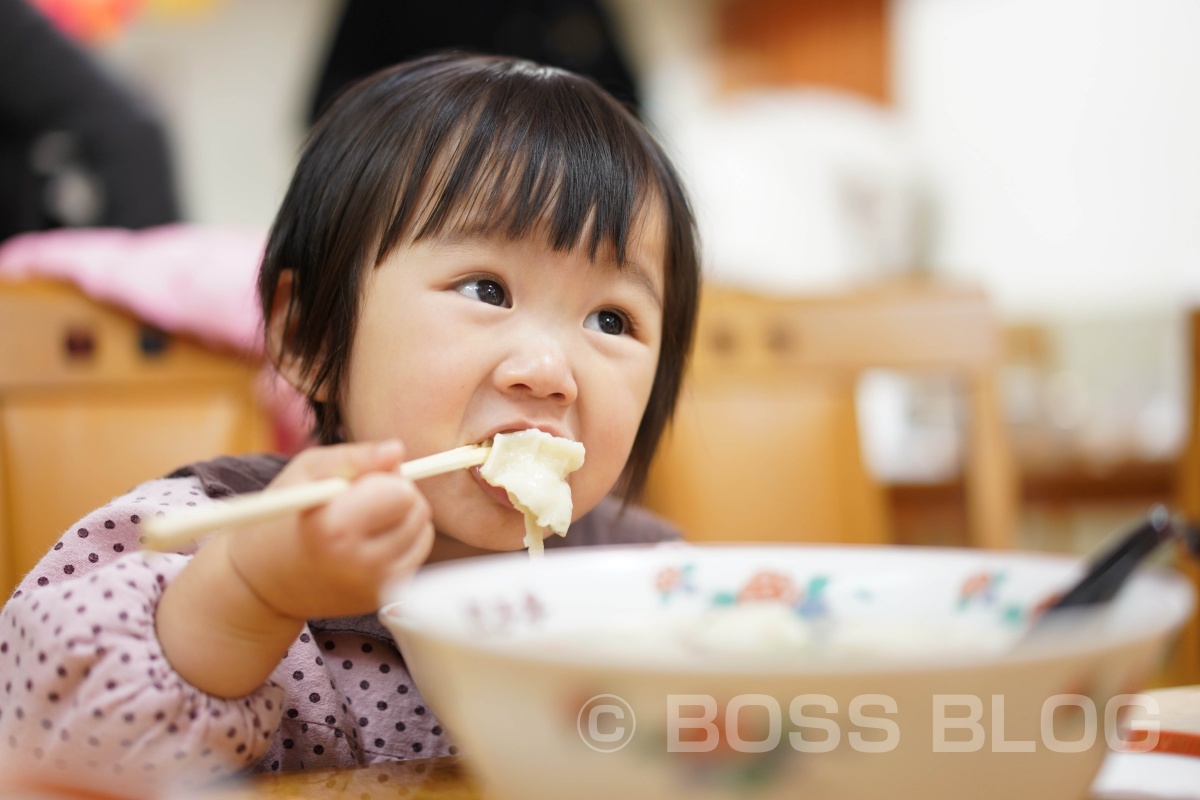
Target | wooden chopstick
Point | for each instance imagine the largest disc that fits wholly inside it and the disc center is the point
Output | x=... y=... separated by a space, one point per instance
x=172 y=531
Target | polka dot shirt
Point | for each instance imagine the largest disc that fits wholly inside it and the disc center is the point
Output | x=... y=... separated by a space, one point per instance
x=86 y=691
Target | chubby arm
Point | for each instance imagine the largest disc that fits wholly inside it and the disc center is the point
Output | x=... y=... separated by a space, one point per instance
x=87 y=697
x=229 y=617
x=91 y=696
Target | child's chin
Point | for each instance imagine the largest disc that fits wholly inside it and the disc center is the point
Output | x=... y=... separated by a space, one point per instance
x=496 y=535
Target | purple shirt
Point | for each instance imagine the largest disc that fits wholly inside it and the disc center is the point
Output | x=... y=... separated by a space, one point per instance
x=88 y=696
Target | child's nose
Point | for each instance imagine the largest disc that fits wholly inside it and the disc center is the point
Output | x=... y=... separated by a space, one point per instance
x=539 y=368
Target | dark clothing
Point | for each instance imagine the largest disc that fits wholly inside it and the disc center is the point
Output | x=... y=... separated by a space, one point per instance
x=573 y=34
x=76 y=147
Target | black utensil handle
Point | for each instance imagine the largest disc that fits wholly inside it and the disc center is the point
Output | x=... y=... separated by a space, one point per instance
x=1107 y=574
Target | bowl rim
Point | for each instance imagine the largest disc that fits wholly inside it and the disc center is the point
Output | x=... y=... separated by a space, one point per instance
x=517 y=650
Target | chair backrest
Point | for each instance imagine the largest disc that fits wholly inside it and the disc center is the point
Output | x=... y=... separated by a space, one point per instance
x=1183 y=667
x=765 y=442
x=1189 y=464
x=93 y=403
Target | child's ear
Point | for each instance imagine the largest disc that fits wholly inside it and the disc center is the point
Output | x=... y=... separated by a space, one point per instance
x=280 y=335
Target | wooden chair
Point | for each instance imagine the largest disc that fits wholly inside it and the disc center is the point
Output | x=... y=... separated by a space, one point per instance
x=765 y=443
x=1183 y=667
x=92 y=403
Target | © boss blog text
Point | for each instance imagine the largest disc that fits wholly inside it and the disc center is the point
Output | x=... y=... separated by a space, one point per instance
x=698 y=723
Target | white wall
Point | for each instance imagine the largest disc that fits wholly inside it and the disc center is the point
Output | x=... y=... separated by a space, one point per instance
x=233 y=85
x=1061 y=143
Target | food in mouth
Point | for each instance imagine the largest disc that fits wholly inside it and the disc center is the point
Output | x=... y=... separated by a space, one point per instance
x=532 y=466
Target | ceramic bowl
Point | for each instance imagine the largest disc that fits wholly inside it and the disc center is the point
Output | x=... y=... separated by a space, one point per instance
x=736 y=671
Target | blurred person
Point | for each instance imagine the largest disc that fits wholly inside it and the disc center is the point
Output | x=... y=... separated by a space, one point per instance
x=77 y=148
x=573 y=34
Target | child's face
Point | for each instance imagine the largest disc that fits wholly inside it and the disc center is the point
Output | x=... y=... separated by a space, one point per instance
x=460 y=338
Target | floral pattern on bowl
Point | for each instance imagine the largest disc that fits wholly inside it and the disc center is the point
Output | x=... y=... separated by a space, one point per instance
x=765 y=585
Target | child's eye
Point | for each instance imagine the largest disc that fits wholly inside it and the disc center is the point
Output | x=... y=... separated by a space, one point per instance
x=485 y=290
x=614 y=323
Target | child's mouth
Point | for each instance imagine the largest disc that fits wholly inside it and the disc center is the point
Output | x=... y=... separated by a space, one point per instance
x=497 y=493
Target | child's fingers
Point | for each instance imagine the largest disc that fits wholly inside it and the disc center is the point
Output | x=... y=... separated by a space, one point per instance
x=405 y=548
x=407 y=562
x=402 y=566
x=393 y=521
x=374 y=504
x=342 y=461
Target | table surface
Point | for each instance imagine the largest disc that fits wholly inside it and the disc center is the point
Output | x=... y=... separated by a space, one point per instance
x=416 y=779
x=445 y=779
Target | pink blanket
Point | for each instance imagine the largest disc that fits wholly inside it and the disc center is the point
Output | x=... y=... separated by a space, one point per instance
x=197 y=280
x=192 y=279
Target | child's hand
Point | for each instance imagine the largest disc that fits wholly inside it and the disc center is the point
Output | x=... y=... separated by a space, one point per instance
x=334 y=559
x=230 y=615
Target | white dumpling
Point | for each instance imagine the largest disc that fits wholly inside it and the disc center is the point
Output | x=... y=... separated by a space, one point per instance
x=532 y=466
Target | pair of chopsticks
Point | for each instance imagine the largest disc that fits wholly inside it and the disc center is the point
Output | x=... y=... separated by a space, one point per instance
x=172 y=531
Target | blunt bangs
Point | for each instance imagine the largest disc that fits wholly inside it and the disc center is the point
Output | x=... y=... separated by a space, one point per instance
x=524 y=153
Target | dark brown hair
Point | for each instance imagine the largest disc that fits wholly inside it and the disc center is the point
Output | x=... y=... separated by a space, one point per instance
x=526 y=149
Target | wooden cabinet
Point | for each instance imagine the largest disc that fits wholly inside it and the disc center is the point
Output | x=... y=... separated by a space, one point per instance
x=92 y=403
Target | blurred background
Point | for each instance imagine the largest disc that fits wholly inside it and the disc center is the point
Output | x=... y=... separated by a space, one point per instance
x=1038 y=152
